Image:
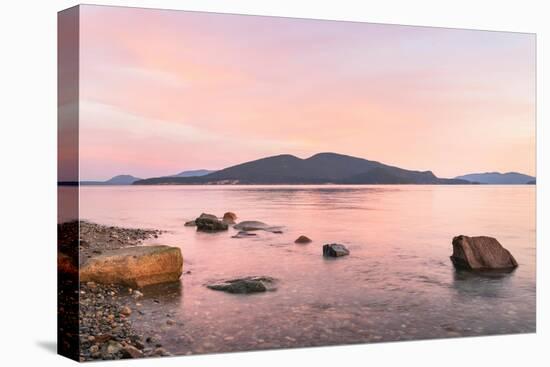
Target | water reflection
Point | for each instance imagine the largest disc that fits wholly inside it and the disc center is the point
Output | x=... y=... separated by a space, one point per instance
x=397 y=284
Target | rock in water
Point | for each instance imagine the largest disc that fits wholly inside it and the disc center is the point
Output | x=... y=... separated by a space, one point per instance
x=134 y=266
x=210 y=223
x=252 y=284
x=303 y=239
x=481 y=253
x=190 y=223
x=251 y=225
x=229 y=218
x=254 y=225
x=335 y=250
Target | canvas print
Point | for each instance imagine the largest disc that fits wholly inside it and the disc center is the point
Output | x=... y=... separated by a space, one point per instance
x=239 y=183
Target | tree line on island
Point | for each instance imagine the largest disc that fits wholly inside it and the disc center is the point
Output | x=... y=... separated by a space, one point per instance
x=322 y=168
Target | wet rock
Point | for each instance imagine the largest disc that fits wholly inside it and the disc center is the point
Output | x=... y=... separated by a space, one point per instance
x=303 y=239
x=229 y=218
x=190 y=223
x=335 y=250
x=130 y=351
x=210 y=223
x=134 y=266
x=252 y=284
x=481 y=253
x=126 y=311
x=254 y=225
x=251 y=225
x=161 y=352
x=244 y=234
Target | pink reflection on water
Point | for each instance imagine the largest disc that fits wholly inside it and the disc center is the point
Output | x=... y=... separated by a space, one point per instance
x=398 y=273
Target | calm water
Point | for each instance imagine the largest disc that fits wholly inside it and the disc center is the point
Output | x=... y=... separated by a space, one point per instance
x=397 y=284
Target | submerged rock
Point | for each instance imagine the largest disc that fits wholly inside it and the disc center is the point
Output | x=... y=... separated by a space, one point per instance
x=252 y=284
x=303 y=239
x=335 y=250
x=254 y=225
x=190 y=223
x=244 y=234
x=134 y=266
x=210 y=223
x=481 y=253
x=229 y=218
x=251 y=225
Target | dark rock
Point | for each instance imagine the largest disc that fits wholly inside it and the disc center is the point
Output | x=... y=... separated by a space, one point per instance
x=191 y=223
x=252 y=284
x=303 y=239
x=481 y=253
x=335 y=250
x=210 y=223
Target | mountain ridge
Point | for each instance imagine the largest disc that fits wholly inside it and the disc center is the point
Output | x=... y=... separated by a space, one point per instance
x=320 y=168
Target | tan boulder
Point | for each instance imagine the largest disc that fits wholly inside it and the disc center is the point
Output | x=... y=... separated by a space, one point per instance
x=134 y=266
x=229 y=218
x=481 y=253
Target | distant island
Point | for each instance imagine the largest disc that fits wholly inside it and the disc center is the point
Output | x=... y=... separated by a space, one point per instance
x=322 y=168
x=117 y=180
x=496 y=178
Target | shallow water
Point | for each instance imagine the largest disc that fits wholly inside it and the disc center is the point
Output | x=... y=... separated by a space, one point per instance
x=397 y=284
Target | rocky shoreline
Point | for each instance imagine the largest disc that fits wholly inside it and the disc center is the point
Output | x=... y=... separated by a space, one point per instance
x=106 y=331
x=105 y=327
x=96 y=238
x=107 y=300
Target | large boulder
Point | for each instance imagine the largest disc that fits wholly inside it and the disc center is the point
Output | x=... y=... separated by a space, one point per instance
x=229 y=218
x=252 y=284
x=134 y=266
x=210 y=223
x=335 y=250
x=481 y=253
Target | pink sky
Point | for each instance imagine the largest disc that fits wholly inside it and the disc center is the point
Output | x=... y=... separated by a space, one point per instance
x=167 y=91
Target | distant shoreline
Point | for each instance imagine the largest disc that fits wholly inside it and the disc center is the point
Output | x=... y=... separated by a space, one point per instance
x=74 y=183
